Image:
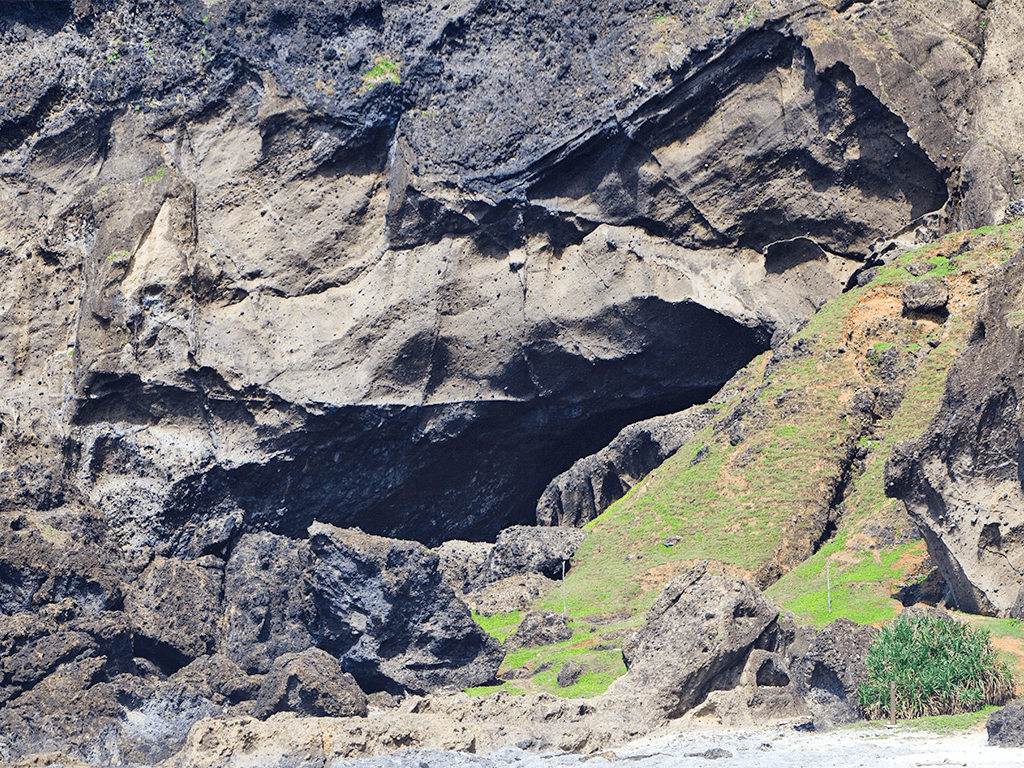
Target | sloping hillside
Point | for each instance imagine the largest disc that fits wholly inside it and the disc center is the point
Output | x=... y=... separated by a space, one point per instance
x=784 y=485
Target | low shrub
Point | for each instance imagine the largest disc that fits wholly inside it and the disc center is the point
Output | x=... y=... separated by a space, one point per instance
x=941 y=667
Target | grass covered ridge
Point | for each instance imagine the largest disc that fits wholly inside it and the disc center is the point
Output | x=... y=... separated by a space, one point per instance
x=786 y=478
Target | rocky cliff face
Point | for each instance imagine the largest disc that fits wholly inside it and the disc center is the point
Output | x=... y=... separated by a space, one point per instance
x=251 y=282
x=277 y=268
x=961 y=480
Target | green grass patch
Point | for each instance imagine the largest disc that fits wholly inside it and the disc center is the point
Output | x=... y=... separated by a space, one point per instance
x=939 y=724
x=500 y=625
x=862 y=583
x=383 y=71
x=600 y=657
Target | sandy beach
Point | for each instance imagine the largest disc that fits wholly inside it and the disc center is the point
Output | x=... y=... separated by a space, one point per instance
x=775 y=747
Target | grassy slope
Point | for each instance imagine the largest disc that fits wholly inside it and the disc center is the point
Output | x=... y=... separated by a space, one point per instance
x=756 y=484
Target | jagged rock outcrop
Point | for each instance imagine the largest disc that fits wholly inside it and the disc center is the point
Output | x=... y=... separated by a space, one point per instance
x=589 y=486
x=1006 y=727
x=960 y=480
x=397 y=266
x=111 y=664
x=387 y=614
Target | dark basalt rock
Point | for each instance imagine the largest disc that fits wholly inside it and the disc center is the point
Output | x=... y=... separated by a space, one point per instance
x=1006 y=727
x=268 y=608
x=570 y=673
x=386 y=613
x=309 y=683
x=175 y=607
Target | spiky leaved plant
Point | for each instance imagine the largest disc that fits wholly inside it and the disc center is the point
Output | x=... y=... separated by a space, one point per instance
x=941 y=667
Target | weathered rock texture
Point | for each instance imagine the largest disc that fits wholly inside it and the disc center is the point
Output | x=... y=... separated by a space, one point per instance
x=104 y=664
x=828 y=674
x=961 y=480
x=245 y=289
x=1006 y=727
x=524 y=549
x=385 y=611
x=698 y=631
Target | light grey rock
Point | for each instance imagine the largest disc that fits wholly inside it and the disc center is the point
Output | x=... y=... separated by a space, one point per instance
x=926 y=295
x=696 y=636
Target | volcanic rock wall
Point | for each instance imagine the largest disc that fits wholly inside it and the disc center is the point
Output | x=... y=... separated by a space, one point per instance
x=961 y=480
x=247 y=286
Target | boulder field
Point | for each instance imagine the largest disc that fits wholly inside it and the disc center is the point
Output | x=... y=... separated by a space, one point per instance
x=292 y=293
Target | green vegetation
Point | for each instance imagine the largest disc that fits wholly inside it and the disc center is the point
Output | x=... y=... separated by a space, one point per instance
x=383 y=71
x=940 y=724
x=118 y=255
x=861 y=584
x=786 y=438
x=500 y=625
x=539 y=666
x=940 y=667
x=157 y=176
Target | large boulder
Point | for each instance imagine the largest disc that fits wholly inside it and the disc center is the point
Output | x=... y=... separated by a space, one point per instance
x=960 y=480
x=310 y=683
x=391 y=619
x=1006 y=727
x=827 y=675
x=698 y=633
x=522 y=549
x=925 y=296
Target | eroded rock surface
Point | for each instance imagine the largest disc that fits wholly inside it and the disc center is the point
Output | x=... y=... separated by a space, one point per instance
x=391 y=619
x=248 y=288
x=699 y=630
x=827 y=675
x=960 y=480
